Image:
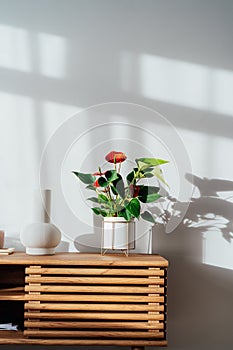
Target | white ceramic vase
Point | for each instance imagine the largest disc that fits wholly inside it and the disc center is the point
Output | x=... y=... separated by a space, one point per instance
x=118 y=234
x=41 y=237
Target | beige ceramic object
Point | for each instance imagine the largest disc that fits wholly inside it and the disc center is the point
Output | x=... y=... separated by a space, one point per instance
x=41 y=237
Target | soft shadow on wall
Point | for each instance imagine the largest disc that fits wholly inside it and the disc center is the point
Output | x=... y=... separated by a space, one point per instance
x=199 y=294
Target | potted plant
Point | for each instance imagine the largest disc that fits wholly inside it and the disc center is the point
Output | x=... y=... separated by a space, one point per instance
x=121 y=200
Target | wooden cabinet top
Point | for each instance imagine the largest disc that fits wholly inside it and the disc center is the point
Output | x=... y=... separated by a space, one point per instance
x=77 y=259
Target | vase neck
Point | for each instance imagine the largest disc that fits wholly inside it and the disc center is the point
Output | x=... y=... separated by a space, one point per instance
x=41 y=206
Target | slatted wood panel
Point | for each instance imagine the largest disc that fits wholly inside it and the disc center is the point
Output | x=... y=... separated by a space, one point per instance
x=101 y=304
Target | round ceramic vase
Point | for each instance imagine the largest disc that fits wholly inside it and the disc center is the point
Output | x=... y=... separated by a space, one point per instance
x=41 y=237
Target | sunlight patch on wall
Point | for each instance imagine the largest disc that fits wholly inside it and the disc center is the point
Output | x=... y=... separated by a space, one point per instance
x=186 y=84
x=177 y=82
x=17 y=143
x=223 y=91
x=18 y=158
x=52 y=55
x=14 y=48
x=26 y=126
x=57 y=113
x=198 y=148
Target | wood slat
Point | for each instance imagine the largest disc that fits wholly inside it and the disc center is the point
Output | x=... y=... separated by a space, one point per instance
x=12 y=289
x=94 y=334
x=12 y=296
x=79 y=342
x=94 y=289
x=95 y=271
x=91 y=342
x=92 y=298
x=95 y=280
x=119 y=325
x=86 y=259
x=86 y=316
x=94 y=307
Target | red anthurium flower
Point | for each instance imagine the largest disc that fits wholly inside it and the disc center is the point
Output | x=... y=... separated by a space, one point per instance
x=115 y=157
x=99 y=173
x=134 y=190
x=96 y=184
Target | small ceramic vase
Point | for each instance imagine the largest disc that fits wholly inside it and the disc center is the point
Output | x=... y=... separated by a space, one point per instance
x=41 y=237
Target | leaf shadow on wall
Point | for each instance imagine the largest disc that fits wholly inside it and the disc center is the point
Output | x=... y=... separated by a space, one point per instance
x=199 y=294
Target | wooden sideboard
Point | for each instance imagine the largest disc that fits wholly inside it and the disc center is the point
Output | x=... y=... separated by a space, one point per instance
x=84 y=299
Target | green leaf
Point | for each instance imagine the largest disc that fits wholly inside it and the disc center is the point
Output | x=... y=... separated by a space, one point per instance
x=111 y=175
x=99 y=211
x=142 y=166
x=93 y=199
x=147 y=175
x=119 y=186
x=148 y=169
x=96 y=210
x=125 y=214
x=148 y=217
x=114 y=191
x=146 y=172
x=91 y=187
x=134 y=207
x=148 y=194
x=157 y=172
x=152 y=161
x=130 y=177
x=102 y=198
x=148 y=189
x=102 y=182
x=85 y=178
x=152 y=197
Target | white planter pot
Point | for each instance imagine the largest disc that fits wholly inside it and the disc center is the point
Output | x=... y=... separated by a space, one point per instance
x=41 y=237
x=118 y=234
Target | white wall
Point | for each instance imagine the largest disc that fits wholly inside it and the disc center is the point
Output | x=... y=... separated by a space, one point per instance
x=59 y=57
